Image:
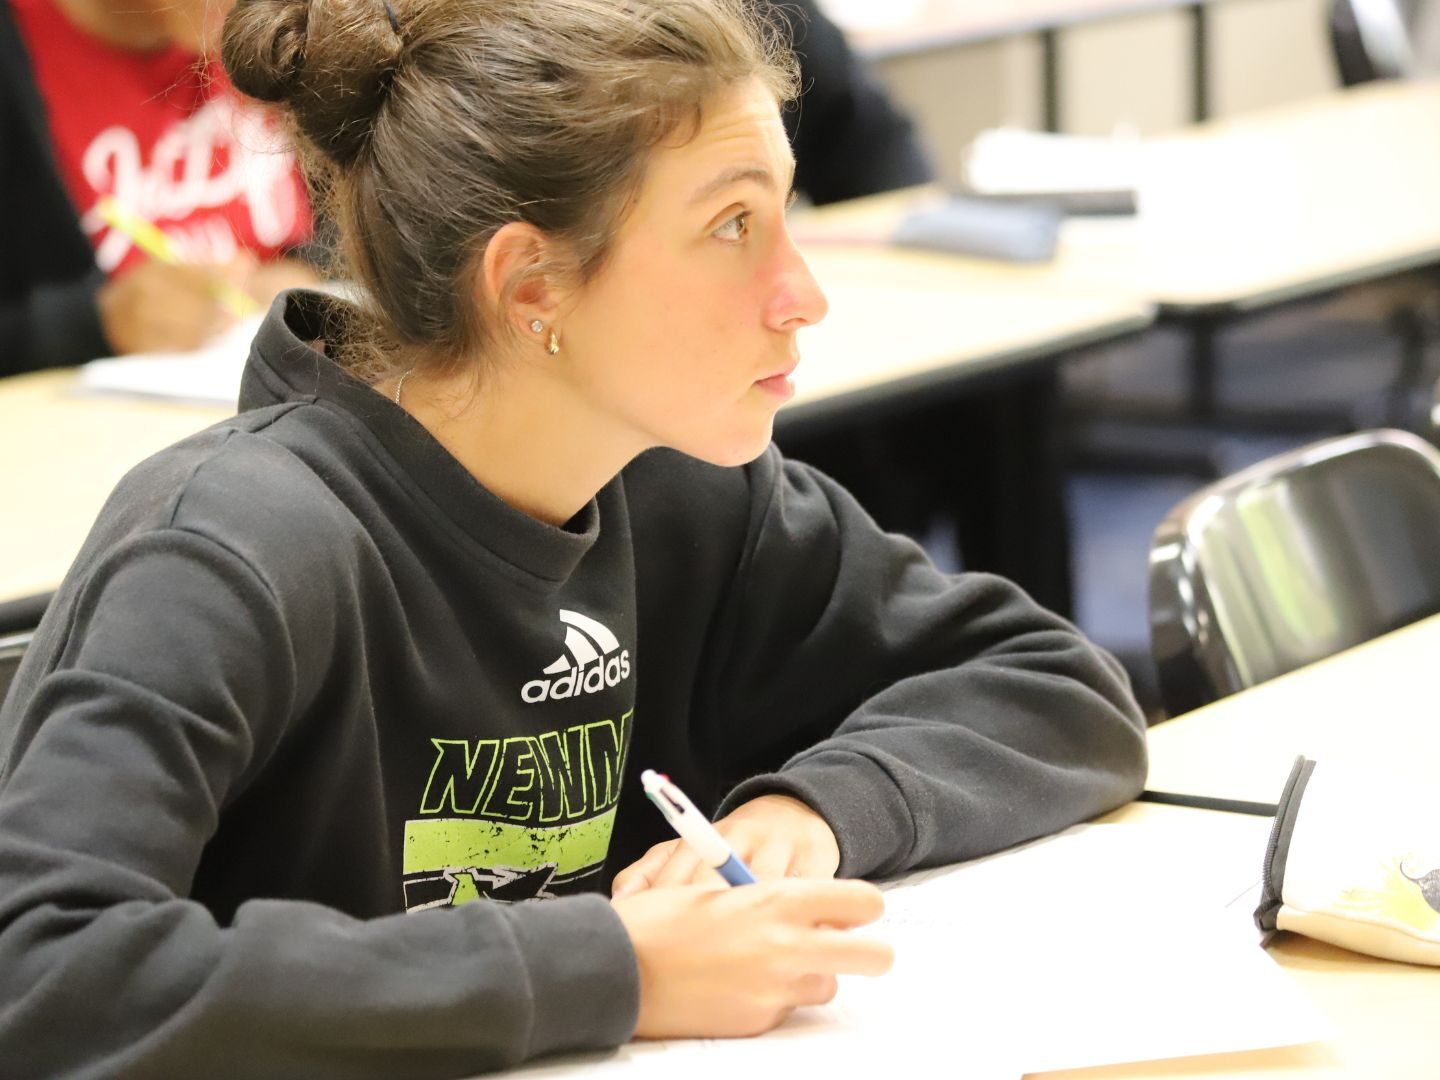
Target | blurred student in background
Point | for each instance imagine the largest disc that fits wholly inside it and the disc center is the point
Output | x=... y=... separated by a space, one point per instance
x=849 y=138
x=106 y=98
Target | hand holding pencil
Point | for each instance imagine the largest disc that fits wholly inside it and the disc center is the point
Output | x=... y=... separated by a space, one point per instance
x=166 y=304
x=774 y=835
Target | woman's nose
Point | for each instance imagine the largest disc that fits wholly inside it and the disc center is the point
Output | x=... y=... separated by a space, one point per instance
x=799 y=301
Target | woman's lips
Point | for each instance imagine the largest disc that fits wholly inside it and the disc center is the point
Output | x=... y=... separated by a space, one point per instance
x=780 y=384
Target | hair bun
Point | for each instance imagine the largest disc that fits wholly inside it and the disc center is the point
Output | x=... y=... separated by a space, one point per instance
x=328 y=61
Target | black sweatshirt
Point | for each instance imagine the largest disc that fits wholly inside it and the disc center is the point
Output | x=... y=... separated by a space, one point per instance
x=306 y=673
x=48 y=276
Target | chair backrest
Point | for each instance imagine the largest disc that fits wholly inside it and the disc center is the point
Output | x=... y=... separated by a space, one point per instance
x=12 y=648
x=1435 y=414
x=1377 y=39
x=22 y=614
x=1294 y=559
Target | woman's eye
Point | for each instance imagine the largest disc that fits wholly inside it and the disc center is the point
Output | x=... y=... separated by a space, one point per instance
x=735 y=229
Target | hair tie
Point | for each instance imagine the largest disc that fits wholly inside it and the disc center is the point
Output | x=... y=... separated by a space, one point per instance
x=390 y=14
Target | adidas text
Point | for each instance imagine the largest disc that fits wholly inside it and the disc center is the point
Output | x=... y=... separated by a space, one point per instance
x=577 y=681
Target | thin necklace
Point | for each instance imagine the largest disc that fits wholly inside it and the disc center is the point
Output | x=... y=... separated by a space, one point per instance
x=399 y=386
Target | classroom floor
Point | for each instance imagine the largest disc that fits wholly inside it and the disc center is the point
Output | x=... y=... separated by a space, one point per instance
x=1333 y=357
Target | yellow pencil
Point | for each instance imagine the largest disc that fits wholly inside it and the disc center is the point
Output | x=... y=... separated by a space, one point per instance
x=157 y=245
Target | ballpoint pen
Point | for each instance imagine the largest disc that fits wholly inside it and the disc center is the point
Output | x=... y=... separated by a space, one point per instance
x=694 y=829
x=149 y=239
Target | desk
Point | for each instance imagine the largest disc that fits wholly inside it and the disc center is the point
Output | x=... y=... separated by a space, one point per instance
x=904 y=324
x=1241 y=215
x=66 y=453
x=1356 y=706
x=1238 y=215
x=1385 y=1011
x=1242 y=747
x=1288 y=204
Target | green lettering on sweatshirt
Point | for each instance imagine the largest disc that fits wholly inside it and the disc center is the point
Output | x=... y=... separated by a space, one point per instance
x=550 y=777
x=513 y=819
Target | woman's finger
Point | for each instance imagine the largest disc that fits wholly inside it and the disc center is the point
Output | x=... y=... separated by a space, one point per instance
x=641 y=874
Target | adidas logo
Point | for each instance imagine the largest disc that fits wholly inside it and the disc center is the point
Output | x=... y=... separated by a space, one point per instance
x=592 y=661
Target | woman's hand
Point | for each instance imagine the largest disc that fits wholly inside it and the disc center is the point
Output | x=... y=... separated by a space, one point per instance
x=266 y=280
x=775 y=835
x=156 y=307
x=736 y=962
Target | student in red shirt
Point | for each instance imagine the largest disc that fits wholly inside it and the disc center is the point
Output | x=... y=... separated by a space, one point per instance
x=98 y=99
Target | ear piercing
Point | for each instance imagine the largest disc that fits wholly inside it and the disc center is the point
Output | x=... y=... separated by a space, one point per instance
x=553 y=345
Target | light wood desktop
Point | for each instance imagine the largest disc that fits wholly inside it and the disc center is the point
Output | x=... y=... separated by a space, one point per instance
x=1369 y=704
x=899 y=327
x=904 y=322
x=1240 y=214
x=1384 y=1012
x=65 y=454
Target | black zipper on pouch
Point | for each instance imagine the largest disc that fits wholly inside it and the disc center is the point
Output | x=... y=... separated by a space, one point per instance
x=1272 y=879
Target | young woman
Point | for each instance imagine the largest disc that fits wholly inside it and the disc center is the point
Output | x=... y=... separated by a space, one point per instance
x=402 y=634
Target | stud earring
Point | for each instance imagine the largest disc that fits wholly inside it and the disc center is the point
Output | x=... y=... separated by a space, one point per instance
x=537 y=325
x=554 y=345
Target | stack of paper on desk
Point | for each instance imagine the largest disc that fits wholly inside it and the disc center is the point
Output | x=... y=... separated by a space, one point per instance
x=1015 y=161
x=1106 y=944
x=209 y=375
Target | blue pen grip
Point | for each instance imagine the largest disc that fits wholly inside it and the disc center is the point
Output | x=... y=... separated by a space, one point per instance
x=735 y=872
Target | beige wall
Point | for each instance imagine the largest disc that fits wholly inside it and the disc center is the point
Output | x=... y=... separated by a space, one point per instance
x=1134 y=72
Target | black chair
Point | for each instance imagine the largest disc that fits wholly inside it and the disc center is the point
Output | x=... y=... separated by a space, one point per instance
x=20 y=615
x=1375 y=39
x=12 y=648
x=1292 y=560
x=1435 y=414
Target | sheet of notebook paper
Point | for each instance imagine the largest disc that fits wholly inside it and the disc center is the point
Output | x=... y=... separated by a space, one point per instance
x=209 y=375
x=1105 y=944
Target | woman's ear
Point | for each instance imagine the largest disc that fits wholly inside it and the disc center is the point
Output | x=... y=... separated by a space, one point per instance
x=521 y=276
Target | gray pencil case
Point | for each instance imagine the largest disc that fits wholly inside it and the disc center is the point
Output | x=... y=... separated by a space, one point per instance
x=1014 y=231
x=1354 y=859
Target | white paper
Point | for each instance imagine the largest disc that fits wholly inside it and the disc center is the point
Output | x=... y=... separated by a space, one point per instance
x=209 y=375
x=1106 y=944
x=1013 y=160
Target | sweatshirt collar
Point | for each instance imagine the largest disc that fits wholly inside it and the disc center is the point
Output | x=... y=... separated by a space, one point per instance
x=285 y=366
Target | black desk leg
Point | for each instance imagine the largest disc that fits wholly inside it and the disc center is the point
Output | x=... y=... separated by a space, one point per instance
x=1203 y=392
x=1200 y=69
x=1009 y=500
x=1050 y=79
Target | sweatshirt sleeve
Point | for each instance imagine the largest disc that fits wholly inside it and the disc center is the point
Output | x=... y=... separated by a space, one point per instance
x=929 y=718
x=171 y=689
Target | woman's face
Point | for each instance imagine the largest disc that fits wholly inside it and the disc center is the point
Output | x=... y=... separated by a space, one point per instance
x=686 y=337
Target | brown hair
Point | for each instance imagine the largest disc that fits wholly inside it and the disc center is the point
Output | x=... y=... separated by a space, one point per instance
x=427 y=125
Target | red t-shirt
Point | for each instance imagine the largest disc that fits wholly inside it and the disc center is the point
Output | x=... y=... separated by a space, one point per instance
x=169 y=139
